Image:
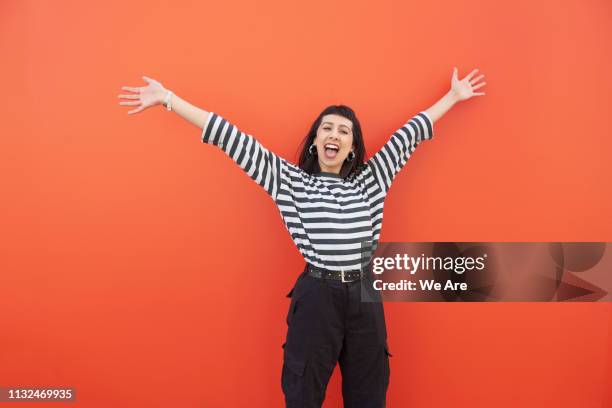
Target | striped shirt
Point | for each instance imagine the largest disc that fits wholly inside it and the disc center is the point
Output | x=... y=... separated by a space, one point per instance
x=335 y=222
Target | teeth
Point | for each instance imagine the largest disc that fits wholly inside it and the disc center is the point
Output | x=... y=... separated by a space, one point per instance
x=331 y=146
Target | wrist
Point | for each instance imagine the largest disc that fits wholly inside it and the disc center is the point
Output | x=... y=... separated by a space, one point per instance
x=452 y=97
x=161 y=97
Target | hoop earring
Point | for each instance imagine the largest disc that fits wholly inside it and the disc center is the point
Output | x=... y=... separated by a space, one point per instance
x=351 y=156
x=310 y=150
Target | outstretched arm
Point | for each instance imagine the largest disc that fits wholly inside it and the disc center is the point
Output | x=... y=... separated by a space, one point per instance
x=391 y=158
x=155 y=94
x=263 y=166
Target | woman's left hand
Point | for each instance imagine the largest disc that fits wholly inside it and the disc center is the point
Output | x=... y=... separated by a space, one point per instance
x=464 y=89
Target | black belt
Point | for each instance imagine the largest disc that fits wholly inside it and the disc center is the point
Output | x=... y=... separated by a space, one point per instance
x=343 y=276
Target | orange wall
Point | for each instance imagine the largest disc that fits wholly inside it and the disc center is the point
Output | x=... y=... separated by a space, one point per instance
x=147 y=270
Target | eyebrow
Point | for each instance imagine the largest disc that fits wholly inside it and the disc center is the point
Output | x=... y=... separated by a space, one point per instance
x=332 y=124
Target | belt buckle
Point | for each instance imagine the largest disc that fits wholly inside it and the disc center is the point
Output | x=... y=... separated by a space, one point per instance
x=342 y=276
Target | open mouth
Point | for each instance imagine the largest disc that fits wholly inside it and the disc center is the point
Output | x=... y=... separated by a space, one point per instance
x=331 y=150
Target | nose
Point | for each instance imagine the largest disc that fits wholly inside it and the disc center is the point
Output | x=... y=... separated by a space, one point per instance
x=334 y=135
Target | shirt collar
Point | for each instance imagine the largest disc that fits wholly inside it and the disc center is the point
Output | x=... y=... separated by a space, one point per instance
x=327 y=174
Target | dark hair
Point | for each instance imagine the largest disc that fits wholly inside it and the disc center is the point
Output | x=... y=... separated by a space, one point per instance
x=310 y=163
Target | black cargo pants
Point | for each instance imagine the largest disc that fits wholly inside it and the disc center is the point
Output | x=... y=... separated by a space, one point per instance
x=328 y=324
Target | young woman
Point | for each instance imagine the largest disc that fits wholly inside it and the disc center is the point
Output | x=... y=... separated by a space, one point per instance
x=332 y=205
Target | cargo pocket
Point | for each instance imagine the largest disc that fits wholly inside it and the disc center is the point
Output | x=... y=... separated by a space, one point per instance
x=299 y=278
x=291 y=311
x=292 y=379
x=290 y=295
x=294 y=301
x=387 y=368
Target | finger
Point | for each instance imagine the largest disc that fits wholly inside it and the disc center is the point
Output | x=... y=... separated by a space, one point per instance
x=473 y=81
x=455 y=72
x=471 y=74
x=135 y=110
x=130 y=103
x=149 y=80
x=131 y=88
x=478 y=93
x=479 y=85
x=129 y=96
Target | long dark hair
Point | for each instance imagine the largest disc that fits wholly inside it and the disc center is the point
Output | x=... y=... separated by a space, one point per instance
x=310 y=163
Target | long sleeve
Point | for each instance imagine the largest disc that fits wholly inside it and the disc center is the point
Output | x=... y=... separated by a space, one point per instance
x=263 y=166
x=390 y=159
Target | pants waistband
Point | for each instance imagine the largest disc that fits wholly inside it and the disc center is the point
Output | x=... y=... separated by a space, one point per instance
x=343 y=276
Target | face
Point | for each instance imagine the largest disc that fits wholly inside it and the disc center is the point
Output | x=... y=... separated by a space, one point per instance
x=334 y=141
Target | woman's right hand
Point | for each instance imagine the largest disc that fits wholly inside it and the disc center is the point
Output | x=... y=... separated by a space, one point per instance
x=145 y=96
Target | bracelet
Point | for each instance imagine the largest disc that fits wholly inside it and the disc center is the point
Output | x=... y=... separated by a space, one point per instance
x=168 y=101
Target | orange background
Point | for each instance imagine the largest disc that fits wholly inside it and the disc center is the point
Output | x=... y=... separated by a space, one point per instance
x=147 y=270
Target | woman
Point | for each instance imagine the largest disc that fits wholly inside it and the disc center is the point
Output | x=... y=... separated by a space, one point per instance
x=332 y=205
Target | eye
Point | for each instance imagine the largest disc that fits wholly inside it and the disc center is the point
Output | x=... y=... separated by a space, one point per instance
x=345 y=132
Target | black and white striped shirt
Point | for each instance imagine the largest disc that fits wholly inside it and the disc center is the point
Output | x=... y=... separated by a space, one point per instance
x=334 y=222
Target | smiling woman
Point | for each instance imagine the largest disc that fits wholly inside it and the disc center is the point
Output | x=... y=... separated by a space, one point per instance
x=332 y=205
x=335 y=222
x=336 y=127
x=335 y=136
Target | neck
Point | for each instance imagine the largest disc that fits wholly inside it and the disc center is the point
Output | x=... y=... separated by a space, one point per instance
x=327 y=169
x=324 y=173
